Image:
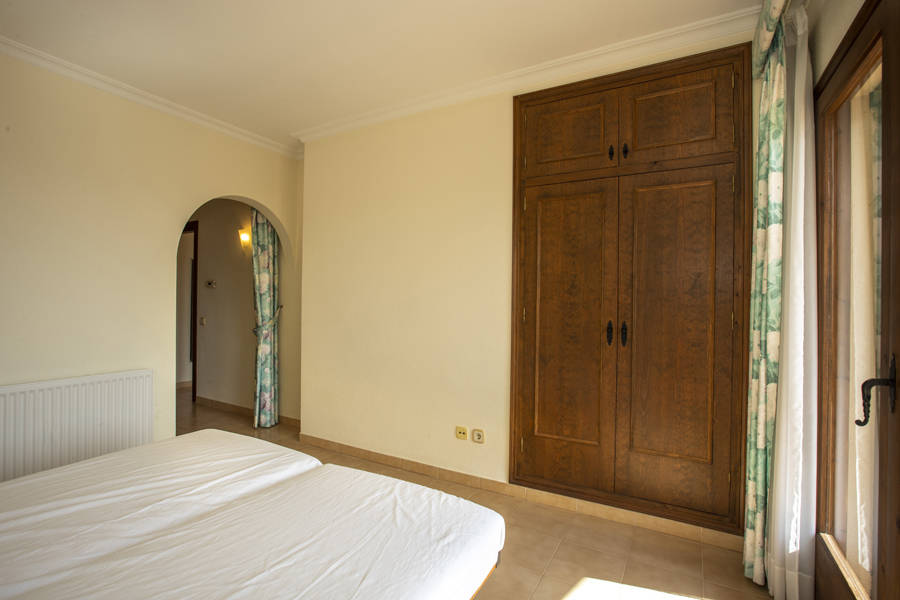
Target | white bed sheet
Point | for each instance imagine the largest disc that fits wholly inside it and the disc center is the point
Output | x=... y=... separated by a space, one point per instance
x=217 y=515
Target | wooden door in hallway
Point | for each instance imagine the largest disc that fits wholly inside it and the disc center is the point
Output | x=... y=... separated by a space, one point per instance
x=193 y=228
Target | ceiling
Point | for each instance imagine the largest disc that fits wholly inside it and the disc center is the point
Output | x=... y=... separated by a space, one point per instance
x=279 y=68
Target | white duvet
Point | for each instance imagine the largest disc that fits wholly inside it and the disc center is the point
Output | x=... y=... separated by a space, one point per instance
x=218 y=515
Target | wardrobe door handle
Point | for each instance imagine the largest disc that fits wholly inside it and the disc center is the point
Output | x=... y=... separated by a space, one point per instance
x=612 y=152
x=625 y=150
x=624 y=333
x=609 y=333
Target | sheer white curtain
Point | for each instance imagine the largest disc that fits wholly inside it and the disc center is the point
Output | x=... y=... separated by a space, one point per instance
x=790 y=542
x=863 y=343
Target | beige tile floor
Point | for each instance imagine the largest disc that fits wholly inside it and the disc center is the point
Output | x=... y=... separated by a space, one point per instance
x=550 y=553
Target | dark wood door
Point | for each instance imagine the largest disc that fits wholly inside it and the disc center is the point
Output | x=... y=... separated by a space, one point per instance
x=572 y=134
x=193 y=227
x=566 y=359
x=676 y=354
x=678 y=117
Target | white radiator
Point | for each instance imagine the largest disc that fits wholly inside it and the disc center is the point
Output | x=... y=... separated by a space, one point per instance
x=52 y=423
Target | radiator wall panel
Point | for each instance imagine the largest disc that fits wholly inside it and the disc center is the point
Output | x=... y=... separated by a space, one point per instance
x=52 y=423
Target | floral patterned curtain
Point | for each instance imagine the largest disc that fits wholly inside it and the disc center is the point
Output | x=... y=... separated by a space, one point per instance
x=765 y=285
x=265 y=288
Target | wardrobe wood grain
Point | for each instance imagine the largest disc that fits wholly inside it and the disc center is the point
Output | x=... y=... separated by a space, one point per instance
x=675 y=385
x=668 y=441
x=568 y=377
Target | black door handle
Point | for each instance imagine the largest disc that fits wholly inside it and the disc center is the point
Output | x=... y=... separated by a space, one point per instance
x=612 y=152
x=625 y=150
x=624 y=333
x=868 y=384
x=609 y=333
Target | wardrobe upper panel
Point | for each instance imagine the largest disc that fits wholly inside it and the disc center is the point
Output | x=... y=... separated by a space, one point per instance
x=678 y=117
x=573 y=134
x=674 y=115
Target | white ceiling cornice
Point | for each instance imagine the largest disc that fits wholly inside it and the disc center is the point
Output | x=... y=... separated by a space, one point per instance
x=534 y=77
x=114 y=86
x=733 y=26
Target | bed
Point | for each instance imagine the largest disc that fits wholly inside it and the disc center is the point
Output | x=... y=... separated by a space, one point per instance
x=218 y=515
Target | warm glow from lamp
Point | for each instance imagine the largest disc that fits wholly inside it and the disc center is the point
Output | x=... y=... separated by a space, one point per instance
x=244 y=237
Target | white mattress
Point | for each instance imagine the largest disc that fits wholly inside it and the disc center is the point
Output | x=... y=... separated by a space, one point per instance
x=218 y=515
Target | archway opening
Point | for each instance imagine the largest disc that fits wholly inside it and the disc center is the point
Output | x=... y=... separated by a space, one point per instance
x=216 y=319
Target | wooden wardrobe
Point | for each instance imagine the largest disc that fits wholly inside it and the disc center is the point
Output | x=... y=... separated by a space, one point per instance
x=631 y=245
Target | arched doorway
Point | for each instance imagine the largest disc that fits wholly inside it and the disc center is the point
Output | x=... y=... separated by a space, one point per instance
x=216 y=342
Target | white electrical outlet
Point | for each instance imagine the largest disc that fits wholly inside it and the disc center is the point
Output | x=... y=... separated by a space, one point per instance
x=478 y=436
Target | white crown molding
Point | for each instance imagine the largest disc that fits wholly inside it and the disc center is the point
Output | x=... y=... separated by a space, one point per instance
x=114 y=86
x=741 y=22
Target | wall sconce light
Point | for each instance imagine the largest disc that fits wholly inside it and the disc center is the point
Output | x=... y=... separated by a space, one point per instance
x=244 y=236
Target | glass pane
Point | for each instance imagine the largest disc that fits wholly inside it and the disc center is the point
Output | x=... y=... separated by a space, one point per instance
x=858 y=179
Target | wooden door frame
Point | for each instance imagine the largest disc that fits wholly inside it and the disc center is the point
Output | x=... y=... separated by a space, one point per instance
x=871 y=36
x=194 y=228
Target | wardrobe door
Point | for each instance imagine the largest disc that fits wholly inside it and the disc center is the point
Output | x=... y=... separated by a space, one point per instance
x=678 y=117
x=572 y=134
x=676 y=297
x=566 y=360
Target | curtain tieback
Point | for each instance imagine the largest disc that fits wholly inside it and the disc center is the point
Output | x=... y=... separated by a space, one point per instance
x=270 y=323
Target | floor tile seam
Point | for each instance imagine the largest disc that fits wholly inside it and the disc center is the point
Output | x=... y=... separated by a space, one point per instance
x=626 y=555
x=555 y=551
x=761 y=593
x=656 y=565
x=544 y=572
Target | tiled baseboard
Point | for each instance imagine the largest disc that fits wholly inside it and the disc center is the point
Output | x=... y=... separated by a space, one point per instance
x=683 y=530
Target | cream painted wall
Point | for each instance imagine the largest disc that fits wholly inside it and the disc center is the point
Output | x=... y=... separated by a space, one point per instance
x=94 y=192
x=407 y=235
x=226 y=345
x=828 y=22
x=184 y=366
x=406 y=286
